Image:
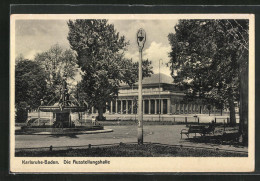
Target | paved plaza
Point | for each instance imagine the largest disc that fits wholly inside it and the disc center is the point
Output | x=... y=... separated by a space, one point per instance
x=164 y=134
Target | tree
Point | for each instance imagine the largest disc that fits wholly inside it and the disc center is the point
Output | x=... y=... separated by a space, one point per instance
x=58 y=64
x=206 y=55
x=19 y=58
x=30 y=83
x=100 y=55
x=21 y=112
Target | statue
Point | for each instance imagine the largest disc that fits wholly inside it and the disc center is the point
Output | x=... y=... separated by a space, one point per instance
x=64 y=97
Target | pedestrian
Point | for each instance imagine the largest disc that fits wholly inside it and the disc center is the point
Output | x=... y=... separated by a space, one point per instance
x=93 y=120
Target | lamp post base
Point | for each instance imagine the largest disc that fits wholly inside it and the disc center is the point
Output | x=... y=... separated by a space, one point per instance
x=140 y=136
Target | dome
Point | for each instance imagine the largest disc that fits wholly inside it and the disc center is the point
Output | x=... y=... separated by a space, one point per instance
x=154 y=79
x=158 y=78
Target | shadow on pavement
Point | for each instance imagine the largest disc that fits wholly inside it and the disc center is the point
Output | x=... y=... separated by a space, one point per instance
x=64 y=135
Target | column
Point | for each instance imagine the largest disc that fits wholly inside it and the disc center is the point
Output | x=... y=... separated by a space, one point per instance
x=132 y=110
x=149 y=106
x=121 y=107
x=143 y=107
x=155 y=106
x=174 y=109
x=116 y=111
x=111 y=107
x=92 y=110
x=106 y=107
x=168 y=106
x=50 y=118
x=126 y=106
x=161 y=106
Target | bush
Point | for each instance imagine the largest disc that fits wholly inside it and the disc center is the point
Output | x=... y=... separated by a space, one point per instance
x=21 y=115
x=102 y=119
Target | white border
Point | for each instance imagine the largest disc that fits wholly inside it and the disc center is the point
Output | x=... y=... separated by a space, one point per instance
x=140 y=164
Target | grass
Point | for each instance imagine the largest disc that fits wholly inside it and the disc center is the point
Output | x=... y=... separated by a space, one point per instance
x=131 y=150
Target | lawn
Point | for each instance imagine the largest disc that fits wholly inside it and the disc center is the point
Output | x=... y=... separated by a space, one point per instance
x=131 y=150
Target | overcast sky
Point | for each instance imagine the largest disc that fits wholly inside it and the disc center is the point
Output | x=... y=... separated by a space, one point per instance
x=35 y=36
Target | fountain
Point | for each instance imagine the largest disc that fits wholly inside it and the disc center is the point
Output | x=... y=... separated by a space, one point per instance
x=61 y=121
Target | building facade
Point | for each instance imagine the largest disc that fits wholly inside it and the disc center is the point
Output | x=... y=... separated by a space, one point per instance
x=160 y=96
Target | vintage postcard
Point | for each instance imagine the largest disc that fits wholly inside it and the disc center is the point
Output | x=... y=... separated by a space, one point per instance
x=98 y=93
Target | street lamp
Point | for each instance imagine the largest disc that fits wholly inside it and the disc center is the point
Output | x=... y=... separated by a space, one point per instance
x=141 y=37
x=160 y=90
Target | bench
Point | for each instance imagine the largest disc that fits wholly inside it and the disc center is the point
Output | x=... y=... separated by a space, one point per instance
x=202 y=130
x=230 y=136
x=209 y=130
x=192 y=129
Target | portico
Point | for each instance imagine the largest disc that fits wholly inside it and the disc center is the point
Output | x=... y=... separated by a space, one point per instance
x=150 y=106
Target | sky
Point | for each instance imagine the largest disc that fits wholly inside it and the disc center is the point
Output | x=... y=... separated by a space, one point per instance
x=36 y=36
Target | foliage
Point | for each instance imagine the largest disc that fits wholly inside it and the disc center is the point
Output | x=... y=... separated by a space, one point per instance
x=30 y=83
x=21 y=113
x=58 y=64
x=100 y=55
x=19 y=58
x=206 y=55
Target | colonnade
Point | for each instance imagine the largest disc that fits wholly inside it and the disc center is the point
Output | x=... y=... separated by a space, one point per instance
x=191 y=108
x=129 y=106
x=153 y=106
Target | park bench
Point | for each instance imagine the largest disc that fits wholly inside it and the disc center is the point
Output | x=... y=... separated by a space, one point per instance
x=201 y=130
x=209 y=130
x=232 y=136
x=192 y=130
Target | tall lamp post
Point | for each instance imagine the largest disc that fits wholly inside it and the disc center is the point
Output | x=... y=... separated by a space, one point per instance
x=141 y=37
x=160 y=90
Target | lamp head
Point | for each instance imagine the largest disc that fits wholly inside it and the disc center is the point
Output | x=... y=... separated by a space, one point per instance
x=141 y=37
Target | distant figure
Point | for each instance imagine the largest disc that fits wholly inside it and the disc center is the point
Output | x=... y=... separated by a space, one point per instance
x=93 y=120
x=212 y=125
x=118 y=120
x=28 y=119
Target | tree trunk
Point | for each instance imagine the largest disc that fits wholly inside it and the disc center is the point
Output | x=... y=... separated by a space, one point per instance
x=79 y=116
x=243 y=106
x=100 y=113
x=232 y=111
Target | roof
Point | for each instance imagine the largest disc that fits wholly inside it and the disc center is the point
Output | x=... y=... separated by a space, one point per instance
x=153 y=80
x=158 y=78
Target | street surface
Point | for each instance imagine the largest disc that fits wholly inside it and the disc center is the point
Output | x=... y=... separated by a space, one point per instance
x=164 y=134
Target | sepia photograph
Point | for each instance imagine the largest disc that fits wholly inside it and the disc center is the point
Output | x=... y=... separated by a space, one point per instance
x=99 y=93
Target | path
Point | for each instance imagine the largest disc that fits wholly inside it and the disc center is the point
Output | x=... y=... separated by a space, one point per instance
x=164 y=134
